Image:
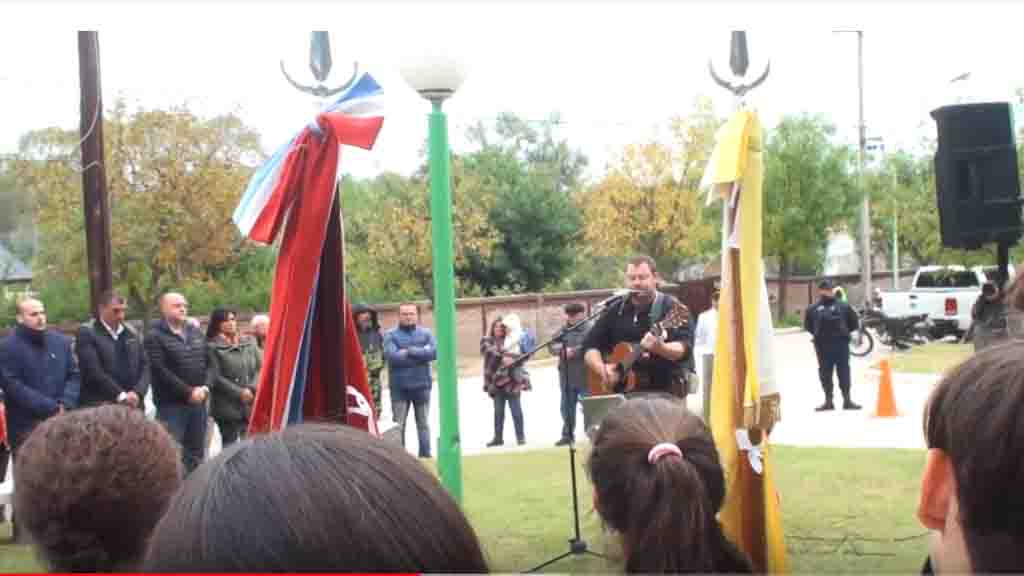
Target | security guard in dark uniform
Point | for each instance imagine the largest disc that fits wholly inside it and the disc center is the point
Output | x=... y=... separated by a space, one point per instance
x=831 y=321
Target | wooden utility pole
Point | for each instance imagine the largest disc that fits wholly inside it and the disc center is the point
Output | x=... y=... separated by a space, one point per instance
x=94 y=173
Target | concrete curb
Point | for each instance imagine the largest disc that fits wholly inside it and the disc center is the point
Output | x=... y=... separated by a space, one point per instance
x=785 y=331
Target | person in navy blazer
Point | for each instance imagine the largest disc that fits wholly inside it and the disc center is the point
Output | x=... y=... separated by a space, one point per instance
x=38 y=372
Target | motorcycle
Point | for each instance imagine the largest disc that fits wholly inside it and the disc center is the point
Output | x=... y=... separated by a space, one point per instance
x=862 y=342
x=897 y=333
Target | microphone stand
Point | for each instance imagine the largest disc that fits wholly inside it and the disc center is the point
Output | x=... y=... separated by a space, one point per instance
x=560 y=336
x=577 y=545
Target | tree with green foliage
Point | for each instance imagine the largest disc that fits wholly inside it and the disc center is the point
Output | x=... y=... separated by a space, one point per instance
x=809 y=193
x=532 y=175
x=397 y=261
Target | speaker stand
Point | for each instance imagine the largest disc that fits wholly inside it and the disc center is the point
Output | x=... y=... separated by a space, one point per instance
x=1004 y=264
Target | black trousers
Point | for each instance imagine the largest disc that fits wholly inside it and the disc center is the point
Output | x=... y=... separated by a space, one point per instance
x=231 y=431
x=834 y=356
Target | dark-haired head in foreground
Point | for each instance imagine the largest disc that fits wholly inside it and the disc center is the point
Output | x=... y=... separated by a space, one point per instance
x=971 y=489
x=658 y=483
x=92 y=484
x=314 y=497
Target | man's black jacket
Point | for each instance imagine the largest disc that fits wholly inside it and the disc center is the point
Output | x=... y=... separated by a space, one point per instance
x=103 y=379
x=177 y=364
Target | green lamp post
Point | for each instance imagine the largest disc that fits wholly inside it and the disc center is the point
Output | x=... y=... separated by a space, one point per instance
x=436 y=77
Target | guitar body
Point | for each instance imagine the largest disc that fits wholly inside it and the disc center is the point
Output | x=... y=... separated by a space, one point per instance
x=621 y=359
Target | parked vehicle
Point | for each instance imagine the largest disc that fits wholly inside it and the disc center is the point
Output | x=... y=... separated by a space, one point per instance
x=944 y=294
x=897 y=333
x=861 y=342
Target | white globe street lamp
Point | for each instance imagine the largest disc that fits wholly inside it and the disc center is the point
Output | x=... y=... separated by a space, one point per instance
x=436 y=76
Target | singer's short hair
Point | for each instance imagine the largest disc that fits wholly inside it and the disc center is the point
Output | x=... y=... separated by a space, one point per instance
x=643 y=259
x=573 y=308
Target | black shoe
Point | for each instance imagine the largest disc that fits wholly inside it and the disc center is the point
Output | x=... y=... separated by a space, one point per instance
x=494 y=443
x=826 y=406
x=521 y=441
x=564 y=442
x=849 y=405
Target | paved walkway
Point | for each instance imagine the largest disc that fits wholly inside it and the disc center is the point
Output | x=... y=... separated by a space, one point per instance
x=800 y=425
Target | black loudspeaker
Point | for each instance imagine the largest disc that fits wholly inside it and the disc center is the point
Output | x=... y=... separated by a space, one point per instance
x=976 y=180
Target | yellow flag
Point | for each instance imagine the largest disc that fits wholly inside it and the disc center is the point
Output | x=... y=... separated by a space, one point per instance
x=745 y=406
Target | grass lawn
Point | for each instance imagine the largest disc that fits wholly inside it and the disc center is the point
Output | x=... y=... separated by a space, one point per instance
x=844 y=510
x=932 y=358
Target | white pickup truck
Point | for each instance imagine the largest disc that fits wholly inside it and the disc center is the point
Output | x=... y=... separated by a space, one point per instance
x=944 y=293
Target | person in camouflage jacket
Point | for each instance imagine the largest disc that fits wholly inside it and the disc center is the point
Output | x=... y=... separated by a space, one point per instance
x=372 y=343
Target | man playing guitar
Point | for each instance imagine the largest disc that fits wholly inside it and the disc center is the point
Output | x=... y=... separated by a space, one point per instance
x=630 y=322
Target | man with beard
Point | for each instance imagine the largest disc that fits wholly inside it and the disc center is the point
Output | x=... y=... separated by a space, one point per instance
x=37 y=372
x=831 y=321
x=660 y=367
x=40 y=376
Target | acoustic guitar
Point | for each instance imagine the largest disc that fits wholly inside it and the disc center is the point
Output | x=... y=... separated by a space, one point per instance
x=625 y=355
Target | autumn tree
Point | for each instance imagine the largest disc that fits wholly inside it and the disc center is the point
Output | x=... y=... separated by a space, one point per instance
x=398 y=257
x=809 y=193
x=649 y=202
x=174 y=181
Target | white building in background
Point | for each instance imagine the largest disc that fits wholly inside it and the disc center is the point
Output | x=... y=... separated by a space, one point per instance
x=842 y=255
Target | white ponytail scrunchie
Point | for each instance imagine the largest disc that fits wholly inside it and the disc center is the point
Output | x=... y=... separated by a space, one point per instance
x=663 y=449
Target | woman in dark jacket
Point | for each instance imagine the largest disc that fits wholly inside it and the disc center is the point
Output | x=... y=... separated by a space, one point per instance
x=233 y=371
x=498 y=352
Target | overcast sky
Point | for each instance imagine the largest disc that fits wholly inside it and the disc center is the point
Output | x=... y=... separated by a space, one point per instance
x=615 y=71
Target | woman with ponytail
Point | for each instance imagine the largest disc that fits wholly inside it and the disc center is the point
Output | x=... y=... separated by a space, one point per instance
x=658 y=484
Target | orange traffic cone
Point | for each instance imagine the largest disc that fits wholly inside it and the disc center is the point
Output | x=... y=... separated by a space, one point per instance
x=886 y=406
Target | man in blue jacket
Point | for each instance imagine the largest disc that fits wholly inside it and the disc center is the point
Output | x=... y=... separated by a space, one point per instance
x=409 y=349
x=38 y=374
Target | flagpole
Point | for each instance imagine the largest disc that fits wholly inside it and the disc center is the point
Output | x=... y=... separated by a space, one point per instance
x=748 y=482
x=752 y=533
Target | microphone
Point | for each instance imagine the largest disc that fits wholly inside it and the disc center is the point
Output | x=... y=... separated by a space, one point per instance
x=617 y=296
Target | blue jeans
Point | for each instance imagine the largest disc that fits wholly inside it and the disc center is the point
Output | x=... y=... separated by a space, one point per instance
x=187 y=424
x=422 y=409
x=570 y=397
x=514 y=406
